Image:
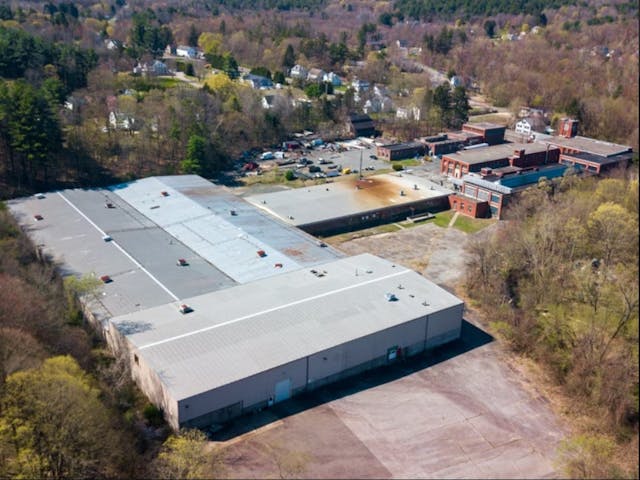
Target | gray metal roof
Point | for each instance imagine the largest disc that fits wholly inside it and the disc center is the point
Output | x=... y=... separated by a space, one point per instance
x=495 y=152
x=198 y=214
x=588 y=145
x=192 y=222
x=306 y=205
x=244 y=330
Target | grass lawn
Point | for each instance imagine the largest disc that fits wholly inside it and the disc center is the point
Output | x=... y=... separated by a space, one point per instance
x=443 y=218
x=408 y=162
x=499 y=118
x=277 y=176
x=472 y=225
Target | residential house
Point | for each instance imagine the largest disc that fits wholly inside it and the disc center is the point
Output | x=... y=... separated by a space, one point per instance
x=410 y=113
x=333 y=79
x=316 y=75
x=377 y=104
x=186 y=51
x=121 y=121
x=530 y=125
x=270 y=102
x=298 y=71
x=258 y=82
x=360 y=85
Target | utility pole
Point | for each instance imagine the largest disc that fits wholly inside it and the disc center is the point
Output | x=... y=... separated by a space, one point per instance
x=360 y=170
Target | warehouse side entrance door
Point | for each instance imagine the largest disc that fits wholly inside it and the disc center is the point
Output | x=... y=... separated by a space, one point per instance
x=283 y=390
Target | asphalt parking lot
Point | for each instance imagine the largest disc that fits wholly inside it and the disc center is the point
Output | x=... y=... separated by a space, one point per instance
x=461 y=411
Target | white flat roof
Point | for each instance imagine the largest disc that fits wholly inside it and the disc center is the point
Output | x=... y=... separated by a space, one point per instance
x=302 y=206
x=241 y=331
x=151 y=231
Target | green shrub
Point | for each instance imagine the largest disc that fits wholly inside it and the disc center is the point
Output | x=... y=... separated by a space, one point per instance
x=152 y=414
x=397 y=167
x=289 y=175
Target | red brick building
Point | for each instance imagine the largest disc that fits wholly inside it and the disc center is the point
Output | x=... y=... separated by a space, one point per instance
x=491 y=133
x=471 y=207
x=520 y=155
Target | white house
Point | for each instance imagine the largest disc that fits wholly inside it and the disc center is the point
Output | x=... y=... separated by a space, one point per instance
x=186 y=51
x=333 y=79
x=530 y=125
x=413 y=113
x=298 y=71
x=360 y=85
x=121 y=121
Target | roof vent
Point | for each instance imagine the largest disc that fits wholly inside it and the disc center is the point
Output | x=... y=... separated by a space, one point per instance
x=164 y=194
x=107 y=238
x=38 y=217
x=391 y=297
x=278 y=265
x=106 y=279
x=184 y=308
x=261 y=253
x=233 y=213
x=109 y=205
x=321 y=243
x=182 y=262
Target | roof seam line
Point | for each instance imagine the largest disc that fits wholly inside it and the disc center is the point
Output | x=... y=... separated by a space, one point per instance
x=279 y=307
x=103 y=233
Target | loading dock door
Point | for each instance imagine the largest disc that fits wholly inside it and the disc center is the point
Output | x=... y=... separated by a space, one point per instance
x=283 y=390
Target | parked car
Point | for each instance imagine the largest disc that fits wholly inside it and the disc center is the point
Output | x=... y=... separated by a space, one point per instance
x=373 y=157
x=322 y=161
x=314 y=169
x=332 y=173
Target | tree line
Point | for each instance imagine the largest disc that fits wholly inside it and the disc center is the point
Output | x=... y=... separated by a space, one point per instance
x=429 y=9
x=68 y=408
x=559 y=281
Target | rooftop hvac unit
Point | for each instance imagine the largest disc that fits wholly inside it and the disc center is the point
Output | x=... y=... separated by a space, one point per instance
x=107 y=238
x=391 y=297
x=182 y=262
x=261 y=253
x=40 y=196
x=164 y=194
x=106 y=279
x=109 y=205
x=278 y=265
x=184 y=308
x=38 y=217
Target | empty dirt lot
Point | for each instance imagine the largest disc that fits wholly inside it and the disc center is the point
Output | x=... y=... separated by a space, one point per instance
x=457 y=412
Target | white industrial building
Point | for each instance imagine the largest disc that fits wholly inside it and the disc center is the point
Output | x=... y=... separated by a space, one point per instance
x=222 y=308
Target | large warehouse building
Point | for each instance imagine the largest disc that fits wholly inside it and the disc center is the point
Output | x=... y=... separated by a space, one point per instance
x=222 y=308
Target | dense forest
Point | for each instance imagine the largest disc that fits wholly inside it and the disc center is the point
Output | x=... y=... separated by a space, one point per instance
x=428 y=9
x=559 y=280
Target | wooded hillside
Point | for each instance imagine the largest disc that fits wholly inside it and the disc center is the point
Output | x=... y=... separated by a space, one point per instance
x=559 y=283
